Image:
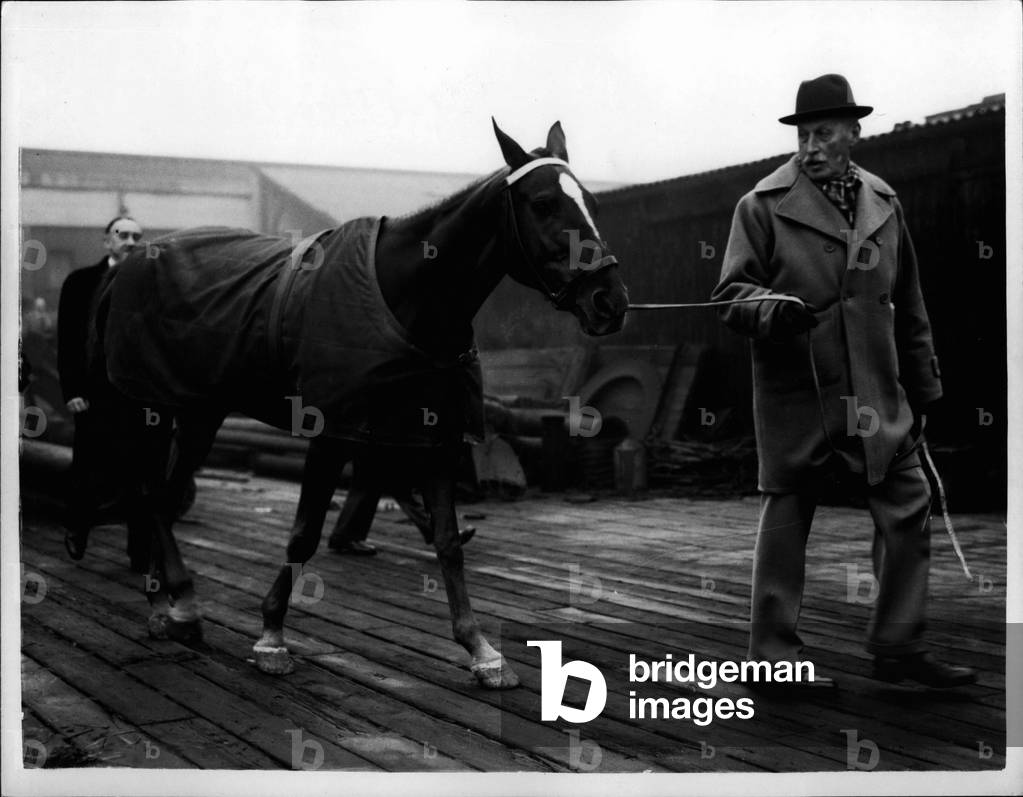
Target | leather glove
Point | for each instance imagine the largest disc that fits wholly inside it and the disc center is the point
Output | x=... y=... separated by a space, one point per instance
x=792 y=319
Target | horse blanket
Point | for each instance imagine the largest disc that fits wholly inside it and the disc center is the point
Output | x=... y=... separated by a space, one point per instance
x=302 y=340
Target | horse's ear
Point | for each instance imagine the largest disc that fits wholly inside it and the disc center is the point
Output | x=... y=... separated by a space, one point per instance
x=514 y=155
x=556 y=142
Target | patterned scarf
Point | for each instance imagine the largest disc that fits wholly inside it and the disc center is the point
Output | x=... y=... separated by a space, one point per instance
x=842 y=192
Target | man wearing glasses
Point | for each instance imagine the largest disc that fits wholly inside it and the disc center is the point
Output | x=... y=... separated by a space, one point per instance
x=94 y=413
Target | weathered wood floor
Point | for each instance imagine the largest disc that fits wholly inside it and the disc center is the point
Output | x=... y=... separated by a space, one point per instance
x=380 y=685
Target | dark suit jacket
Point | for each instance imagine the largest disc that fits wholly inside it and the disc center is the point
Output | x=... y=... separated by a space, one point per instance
x=73 y=313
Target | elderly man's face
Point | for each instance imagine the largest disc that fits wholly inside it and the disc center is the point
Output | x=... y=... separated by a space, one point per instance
x=123 y=237
x=824 y=147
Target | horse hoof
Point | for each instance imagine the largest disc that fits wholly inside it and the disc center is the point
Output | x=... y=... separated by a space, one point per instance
x=157 y=624
x=273 y=661
x=495 y=674
x=187 y=631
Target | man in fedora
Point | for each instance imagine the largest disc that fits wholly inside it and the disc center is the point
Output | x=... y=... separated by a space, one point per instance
x=841 y=379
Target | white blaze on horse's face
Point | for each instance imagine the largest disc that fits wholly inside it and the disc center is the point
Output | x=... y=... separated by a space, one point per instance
x=571 y=188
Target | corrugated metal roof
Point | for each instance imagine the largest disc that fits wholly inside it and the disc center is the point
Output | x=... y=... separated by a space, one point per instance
x=350 y=193
x=992 y=104
x=340 y=192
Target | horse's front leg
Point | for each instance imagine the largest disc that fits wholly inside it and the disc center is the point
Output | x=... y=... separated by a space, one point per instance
x=323 y=464
x=489 y=666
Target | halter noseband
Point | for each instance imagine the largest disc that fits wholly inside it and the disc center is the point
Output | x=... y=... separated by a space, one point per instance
x=558 y=298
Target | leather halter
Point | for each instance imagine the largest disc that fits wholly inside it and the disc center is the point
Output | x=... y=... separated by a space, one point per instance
x=559 y=298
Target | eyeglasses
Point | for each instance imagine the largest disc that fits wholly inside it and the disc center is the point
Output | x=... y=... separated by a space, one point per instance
x=124 y=236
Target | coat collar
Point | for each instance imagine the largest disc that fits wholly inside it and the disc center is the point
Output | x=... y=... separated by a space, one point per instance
x=806 y=204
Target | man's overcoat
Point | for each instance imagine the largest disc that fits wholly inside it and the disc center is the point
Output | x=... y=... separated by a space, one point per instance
x=872 y=349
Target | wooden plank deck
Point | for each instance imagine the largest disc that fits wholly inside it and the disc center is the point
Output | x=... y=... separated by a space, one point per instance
x=380 y=685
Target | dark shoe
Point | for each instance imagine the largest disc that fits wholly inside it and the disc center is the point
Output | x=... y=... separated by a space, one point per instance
x=75 y=541
x=464 y=535
x=354 y=548
x=819 y=685
x=924 y=669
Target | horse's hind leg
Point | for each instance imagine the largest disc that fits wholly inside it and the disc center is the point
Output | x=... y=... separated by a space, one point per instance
x=489 y=666
x=323 y=463
x=169 y=586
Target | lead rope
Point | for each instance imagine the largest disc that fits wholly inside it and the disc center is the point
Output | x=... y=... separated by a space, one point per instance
x=944 y=510
x=782 y=297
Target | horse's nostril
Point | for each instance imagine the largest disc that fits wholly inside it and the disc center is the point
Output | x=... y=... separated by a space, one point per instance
x=602 y=301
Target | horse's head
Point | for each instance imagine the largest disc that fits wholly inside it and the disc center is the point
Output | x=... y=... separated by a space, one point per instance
x=554 y=245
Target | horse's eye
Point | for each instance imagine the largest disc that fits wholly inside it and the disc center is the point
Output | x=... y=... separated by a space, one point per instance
x=544 y=207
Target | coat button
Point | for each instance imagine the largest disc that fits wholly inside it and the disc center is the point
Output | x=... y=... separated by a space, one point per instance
x=829 y=247
x=884 y=298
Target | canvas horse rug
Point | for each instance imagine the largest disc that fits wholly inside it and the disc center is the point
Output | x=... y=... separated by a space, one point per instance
x=229 y=318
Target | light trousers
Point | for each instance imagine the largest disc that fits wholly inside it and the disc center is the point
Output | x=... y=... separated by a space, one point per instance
x=900 y=507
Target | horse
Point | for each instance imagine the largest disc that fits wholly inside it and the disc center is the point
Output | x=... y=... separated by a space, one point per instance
x=213 y=320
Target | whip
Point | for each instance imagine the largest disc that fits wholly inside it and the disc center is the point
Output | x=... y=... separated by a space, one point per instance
x=784 y=297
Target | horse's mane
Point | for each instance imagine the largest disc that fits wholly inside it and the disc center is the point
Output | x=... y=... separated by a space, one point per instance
x=447 y=202
x=459 y=196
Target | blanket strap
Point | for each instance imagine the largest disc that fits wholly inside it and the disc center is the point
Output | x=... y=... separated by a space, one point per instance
x=296 y=263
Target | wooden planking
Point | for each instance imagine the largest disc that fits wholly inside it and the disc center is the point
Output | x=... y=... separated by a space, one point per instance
x=307 y=702
x=384 y=641
x=376 y=674
x=878 y=703
x=373 y=606
x=838 y=614
x=101 y=739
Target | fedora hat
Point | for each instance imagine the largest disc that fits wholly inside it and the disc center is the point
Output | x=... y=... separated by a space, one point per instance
x=827 y=95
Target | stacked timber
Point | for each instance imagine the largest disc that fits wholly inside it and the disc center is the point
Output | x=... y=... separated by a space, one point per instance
x=249 y=444
x=253 y=445
x=717 y=468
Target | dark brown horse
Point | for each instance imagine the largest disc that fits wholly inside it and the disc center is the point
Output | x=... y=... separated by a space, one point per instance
x=159 y=343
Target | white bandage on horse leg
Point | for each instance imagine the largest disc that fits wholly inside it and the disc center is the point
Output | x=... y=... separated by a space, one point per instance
x=185 y=610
